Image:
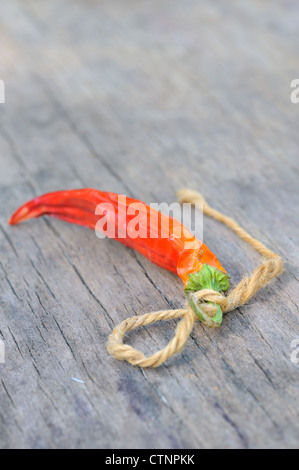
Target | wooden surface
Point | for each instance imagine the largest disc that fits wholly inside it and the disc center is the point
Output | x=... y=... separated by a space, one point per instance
x=144 y=98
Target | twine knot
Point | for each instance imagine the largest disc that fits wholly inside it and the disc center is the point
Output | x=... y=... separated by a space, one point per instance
x=207 y=295
x=208 y=300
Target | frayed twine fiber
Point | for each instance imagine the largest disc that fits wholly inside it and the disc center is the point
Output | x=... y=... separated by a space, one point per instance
x=271 y=267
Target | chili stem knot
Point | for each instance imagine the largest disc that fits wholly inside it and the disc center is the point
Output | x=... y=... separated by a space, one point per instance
x=211 y=280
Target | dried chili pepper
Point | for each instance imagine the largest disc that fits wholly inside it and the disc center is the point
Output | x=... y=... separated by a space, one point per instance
x=179 y=252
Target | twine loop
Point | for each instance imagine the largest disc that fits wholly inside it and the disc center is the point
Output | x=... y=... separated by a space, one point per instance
x=122 y=351
x=271 y=267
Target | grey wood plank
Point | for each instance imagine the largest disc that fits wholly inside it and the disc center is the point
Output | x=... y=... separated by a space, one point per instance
x=144 y=98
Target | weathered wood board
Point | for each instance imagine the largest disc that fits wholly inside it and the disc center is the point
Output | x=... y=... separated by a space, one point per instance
x=144 y=98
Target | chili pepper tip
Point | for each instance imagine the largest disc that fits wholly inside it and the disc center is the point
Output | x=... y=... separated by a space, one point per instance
x=19 y=216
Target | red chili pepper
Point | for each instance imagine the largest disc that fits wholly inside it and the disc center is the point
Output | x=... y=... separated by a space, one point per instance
x=180 y=252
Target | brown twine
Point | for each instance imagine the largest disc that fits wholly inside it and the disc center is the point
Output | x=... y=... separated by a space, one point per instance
x=271 y=267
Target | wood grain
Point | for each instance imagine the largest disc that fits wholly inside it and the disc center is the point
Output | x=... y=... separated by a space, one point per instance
x=144 y=98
